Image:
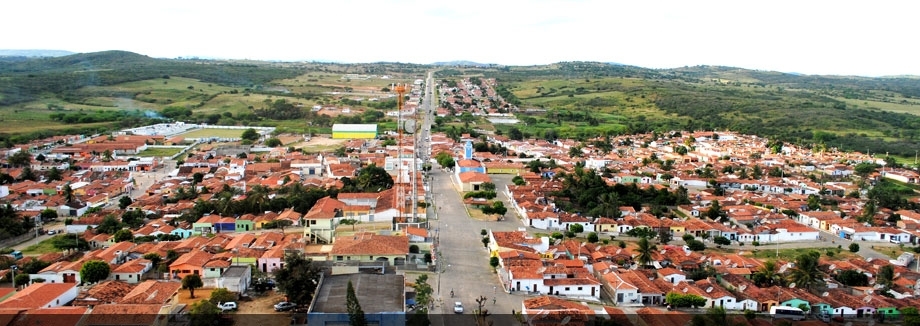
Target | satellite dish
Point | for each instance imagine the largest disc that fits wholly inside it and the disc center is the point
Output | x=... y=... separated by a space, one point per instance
x=867 y=299
x=870 y=291
x=743 y=287
x=709 y=289
x=825 y=294
x=792 y=285
x=565 y=320
x=685 y=290
x=832 y=267
x=410 y=126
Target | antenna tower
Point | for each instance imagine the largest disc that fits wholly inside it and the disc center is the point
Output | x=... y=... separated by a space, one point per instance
x=400 y=90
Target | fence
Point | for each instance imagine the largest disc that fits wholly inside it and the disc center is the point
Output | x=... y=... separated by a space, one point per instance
x=9 y=242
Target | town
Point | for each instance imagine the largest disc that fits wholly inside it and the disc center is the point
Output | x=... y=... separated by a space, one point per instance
x=661 y=228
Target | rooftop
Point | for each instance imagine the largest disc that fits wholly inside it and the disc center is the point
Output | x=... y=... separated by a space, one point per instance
x=376 y=293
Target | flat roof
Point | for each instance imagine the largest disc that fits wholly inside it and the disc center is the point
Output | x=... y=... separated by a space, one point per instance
x=235 y=271
x=341 y=127
x=376 y=293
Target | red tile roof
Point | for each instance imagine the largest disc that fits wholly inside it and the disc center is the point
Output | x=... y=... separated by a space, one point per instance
x=37 y=295
x=365 y=243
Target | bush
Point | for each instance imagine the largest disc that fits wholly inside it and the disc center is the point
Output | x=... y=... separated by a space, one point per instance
x=755 y=243
x=688 y=237
x=696 y=245
x=413 y=249
x=854 y=247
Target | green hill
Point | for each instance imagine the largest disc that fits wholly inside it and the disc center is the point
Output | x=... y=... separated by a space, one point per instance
x=587 y=99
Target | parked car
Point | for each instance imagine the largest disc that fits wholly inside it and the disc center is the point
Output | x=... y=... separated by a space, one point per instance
x=52 y=232
x=227 y=306
x=284 y=306
x=458 y=307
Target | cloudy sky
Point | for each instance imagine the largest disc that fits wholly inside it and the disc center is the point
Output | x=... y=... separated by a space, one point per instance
x=868 y=38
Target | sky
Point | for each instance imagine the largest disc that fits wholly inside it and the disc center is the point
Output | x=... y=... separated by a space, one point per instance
x=864 y=38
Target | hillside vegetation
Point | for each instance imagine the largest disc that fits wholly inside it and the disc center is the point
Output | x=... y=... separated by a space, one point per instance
x=584 y=100
x=95 y=92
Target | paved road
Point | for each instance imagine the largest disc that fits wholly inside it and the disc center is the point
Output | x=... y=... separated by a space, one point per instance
x=465 y=261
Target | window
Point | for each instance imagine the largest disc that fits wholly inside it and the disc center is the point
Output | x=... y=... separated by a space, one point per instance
x=567 y=288
x=579 y=288
x=339 y=258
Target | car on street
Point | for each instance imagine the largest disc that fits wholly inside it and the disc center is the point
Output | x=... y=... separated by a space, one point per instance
x=51 y=232
x=284 y=306
x=458 y=307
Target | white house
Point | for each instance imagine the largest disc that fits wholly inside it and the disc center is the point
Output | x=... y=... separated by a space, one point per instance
x=524 y=279
x=543 y=220
x=623 y=292
x=132 y=271
x=572 y=287
x=42 y=295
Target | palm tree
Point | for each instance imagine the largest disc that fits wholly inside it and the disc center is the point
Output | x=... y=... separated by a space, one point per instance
x=68 y=193
x=645 y=252
x=767 y=275
x=806 y=273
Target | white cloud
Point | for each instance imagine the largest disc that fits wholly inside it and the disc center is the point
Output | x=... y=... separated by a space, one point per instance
x=817 y=37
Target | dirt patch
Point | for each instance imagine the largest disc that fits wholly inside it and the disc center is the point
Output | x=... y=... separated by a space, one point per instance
x=200 y=294
x=261 y=311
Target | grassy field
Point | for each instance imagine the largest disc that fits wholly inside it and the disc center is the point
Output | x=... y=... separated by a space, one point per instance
x=211 y=132
x=159 y=152
x=40 y=248
x=766 y=253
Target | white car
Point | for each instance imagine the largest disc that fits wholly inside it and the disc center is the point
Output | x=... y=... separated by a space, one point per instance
x=458 y=307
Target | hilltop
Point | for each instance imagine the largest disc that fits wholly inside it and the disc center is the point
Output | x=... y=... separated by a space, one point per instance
x=580 y=99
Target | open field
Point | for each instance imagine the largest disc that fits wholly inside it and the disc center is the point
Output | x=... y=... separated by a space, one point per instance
x=159 y=152
x=212 y=132
x=320 y=144
x=40 y=248
x=765 y=252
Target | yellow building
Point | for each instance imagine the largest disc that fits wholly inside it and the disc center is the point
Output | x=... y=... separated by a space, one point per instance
x=354 y=131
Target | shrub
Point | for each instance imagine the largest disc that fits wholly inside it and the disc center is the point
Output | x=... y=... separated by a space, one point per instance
x=854 y=247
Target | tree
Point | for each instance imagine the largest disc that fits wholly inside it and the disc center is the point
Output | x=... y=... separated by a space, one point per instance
x=355 y=313
x=854 y=247
x=370 y=179
x=715 y=212
x=645 y=250
x=851 y=277
x=593 y=238
x=767 y=275
x=664 y=235
x=806 y=273
x=222 y=295
x=68 y=242
x=94 y=271
x=485 y=242
x=68 y=193
x=154 y=258
x=48 y=214
x=911 y=316
x=123 y=235
x=696 y=245
x=494 y=262
x=203 y=313
x=297 y=278
x=124 y=202
x=273 y=142
x=576 y=228
x=53 y=175
x=192 y=282
x=423 y=291
x=350 y=221
x=722 y=241
x=21 y=280
x=20 y=159
x=109 y=225
x=885 y=276
x=250 y=135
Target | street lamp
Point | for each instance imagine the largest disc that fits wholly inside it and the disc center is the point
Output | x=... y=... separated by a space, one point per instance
x=13 y=268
